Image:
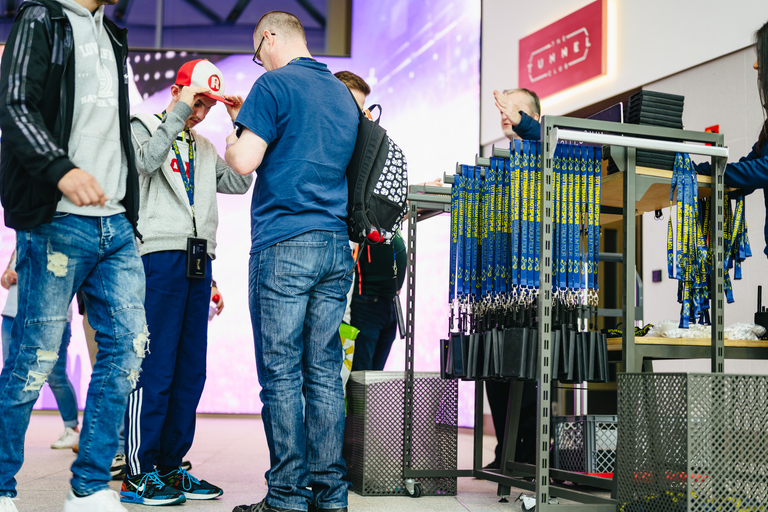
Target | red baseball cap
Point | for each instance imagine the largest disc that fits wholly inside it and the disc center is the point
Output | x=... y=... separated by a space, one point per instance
x=202 y=73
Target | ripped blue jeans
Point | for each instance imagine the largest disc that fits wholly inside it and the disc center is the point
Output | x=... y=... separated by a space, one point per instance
x=99 y=256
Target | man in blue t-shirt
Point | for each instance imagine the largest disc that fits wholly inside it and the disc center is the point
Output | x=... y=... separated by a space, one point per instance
x=297 y=129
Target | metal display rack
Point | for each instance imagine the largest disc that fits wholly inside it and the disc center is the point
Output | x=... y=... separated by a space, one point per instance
x=623 y=140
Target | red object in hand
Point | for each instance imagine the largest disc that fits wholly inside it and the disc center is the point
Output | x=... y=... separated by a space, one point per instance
x=216 y=298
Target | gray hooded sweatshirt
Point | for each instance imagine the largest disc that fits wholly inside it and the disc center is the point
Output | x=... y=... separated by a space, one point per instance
x=94 y=144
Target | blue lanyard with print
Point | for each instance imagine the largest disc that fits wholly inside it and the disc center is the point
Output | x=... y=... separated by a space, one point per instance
x=486 y=228
x=524 y=214
x=460 y=183
x=506 y=243
x=454 y=237
x=563 y=227
x=515 y=194
x=188 y=176
x=580 y=205
x=536 y=154
x=597 y=171
x=529 y=155
x=501 y=220
x=556 y=204
x=475 y=216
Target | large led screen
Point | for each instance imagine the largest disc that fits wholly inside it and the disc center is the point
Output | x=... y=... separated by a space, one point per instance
x=421 y=60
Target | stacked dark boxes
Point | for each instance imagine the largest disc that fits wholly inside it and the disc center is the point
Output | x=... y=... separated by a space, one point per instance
x=655 y=109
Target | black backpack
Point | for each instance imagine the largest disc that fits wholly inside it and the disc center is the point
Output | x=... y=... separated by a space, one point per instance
x=377 y=177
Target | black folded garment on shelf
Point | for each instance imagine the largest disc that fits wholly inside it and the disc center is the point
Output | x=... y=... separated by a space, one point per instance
x=678 y=125
x=657 y=97
x=532 y=365
x=514 y=353
x=655 y=109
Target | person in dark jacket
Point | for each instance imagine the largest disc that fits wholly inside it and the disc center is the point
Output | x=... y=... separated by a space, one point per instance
x=751 y=171
x=520 y=113
x=69 y=188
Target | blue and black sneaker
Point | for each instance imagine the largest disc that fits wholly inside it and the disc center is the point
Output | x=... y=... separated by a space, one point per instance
x=191 y=487
x=149 y=489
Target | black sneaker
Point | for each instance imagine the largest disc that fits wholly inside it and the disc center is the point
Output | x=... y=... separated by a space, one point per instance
x=315 y=508
x=261 y=506
x=148 y=489
x=189 y=486
x=186 y=465
x=118 y=467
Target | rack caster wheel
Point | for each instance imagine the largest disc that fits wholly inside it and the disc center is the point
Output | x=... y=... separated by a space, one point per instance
x=414 y=488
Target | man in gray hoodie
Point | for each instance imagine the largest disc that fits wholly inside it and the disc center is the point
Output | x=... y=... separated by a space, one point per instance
x=69 y=188
x=180 y=173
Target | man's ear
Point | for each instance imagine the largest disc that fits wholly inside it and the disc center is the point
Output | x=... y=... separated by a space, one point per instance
x=536 y=117
x=175 y=89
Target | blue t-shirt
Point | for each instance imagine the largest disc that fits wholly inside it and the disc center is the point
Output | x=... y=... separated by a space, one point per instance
x=309 y=120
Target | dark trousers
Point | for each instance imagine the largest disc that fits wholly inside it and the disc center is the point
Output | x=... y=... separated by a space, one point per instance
x=376 y=319
x=498 y=399
x=160 y=420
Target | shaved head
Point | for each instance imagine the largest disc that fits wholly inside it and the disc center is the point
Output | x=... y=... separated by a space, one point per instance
x=285 y=24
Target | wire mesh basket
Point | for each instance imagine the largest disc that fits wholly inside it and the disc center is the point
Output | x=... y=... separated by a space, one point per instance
x=373 y=437
x=692 y=442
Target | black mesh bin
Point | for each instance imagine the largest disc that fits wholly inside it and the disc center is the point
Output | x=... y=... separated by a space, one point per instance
x=586 y=444
x=373 y=437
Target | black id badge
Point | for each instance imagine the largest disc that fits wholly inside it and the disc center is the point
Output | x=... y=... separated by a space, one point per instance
x=197 y=257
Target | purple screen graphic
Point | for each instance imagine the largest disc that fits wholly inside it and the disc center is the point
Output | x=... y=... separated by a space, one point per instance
x=421 y=60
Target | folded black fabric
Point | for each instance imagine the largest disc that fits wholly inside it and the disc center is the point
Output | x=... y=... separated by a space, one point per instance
x=556 y=349
x=444 y=344
x=487 y=355
x=657 y=96
x=471 y=373
x=514 y=353
x=532 y=364
x=458 y=343
x=593 y=364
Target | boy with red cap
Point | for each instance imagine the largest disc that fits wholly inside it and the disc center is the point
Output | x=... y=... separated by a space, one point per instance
x=180 y=173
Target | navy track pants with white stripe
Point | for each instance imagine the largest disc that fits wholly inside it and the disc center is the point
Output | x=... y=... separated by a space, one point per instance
x=160 y=420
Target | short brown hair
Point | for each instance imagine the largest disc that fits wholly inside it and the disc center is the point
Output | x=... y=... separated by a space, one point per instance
x=353 y=81
x=535 y=102
x=281 y=22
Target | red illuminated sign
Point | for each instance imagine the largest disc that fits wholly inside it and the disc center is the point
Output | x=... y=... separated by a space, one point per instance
x=568 y=52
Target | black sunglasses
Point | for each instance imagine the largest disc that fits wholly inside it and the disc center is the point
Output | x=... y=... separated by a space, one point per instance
x=256 y=55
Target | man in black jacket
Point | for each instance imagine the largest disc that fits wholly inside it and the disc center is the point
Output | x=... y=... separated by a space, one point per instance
x=69 y=188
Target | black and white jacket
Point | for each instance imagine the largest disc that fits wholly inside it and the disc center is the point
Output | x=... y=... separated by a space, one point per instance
x=37 y=84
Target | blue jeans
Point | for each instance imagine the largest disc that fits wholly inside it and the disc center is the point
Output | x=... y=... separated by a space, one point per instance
x=58 y=381
x=297 y=293
x=97 y=255
x=376 y=319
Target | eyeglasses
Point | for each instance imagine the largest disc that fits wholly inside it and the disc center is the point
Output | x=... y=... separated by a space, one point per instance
x=256 y=59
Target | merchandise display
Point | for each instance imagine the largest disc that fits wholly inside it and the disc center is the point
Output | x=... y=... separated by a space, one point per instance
x=689 y=255
x=494 y=266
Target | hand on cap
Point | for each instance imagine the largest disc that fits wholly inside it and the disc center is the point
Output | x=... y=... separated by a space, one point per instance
x=237 y=102
x=507 y=108
x=82 y=189
x=189 y=92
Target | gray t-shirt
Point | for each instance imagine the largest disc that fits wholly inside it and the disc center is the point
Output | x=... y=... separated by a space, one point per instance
x=94 y=143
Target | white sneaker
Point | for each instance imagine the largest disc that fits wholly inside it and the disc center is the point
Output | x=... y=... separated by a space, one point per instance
x=68 y=439
x=102 y=501
x=6 y=505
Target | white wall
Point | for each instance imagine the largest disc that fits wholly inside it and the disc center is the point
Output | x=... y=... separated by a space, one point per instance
x=723 y=92
x=648 y=40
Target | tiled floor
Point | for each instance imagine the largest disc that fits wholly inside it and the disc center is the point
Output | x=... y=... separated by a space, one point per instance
x=232 y=452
